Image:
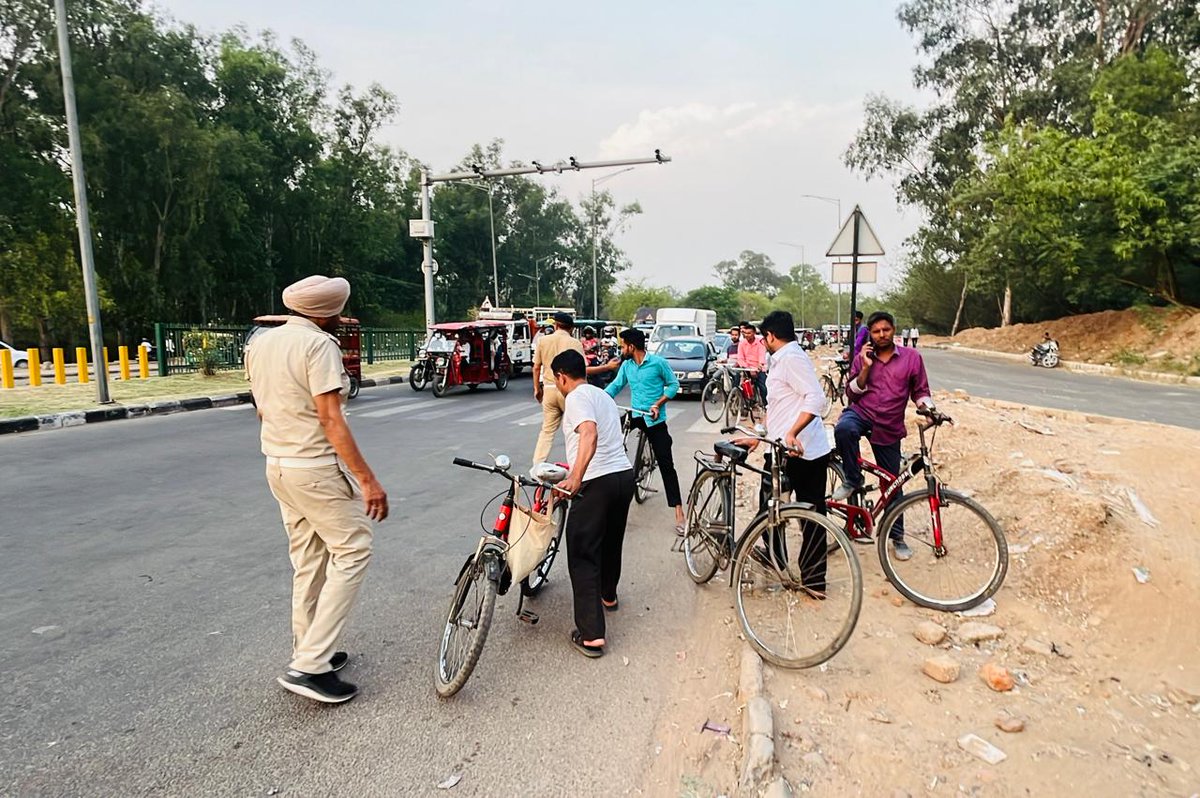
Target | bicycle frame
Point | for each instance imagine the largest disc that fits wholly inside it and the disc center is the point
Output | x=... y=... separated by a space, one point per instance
x=869 y=513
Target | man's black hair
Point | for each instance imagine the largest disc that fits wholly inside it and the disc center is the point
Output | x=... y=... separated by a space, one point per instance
x=634 y=337
x=569 y=363
x=880 y=315
x=747 y=325
x=858 y=314
x=780 y=324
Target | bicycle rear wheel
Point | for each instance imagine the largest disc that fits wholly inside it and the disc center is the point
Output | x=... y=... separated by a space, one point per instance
x=644 y=469
x=968 y=567
x=733 y=408
x=831 y=392
x=709 y=531
x=533 y=584
x=712 y=400
x=798 y=601
x=467 y=625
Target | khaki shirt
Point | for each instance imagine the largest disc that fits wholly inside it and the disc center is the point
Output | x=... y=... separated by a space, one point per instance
x=288 y=366
x=549 y=347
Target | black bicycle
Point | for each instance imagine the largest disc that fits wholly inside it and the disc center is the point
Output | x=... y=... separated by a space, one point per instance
x=486 y=575
x=644 y=461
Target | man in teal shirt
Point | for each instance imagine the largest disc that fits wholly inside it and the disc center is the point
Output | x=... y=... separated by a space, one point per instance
x=651 y=385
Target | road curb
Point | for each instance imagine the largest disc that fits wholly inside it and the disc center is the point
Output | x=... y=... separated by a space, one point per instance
x=758 y=731
x=1083 y=368
x=75 y=418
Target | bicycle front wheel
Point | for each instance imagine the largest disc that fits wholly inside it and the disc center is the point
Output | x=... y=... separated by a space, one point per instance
x=709 y=527
x=467 y=626
x=798 y=588
x=959 y=554
x=712 y=401
x=831 y=392
x=645 y=469
x=533 y=584
x=733 y=408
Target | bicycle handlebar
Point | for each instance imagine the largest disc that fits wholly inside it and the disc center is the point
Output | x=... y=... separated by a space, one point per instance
x=521 y=479
x=935 y=416
x=778 y=444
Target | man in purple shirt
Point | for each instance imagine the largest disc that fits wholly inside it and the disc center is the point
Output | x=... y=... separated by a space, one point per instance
x=883 y=378
x=861 y=335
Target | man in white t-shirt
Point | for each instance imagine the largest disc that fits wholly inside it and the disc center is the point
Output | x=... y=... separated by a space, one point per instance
x=794 y=417
x=602 y=480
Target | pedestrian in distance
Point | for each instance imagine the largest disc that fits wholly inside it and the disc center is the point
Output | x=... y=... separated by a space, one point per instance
x=794 y=417
x=328 y=495
x=652 y=384
x=881 y=382
x=914 y=335
x=860 y=334
x=544 y=391
x=602 y=482
x=752 y=355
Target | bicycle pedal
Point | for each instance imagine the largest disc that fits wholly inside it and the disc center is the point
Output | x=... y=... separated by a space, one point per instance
x=528 y=617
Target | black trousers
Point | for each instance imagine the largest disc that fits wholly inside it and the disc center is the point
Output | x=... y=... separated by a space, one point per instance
x=660 y=441
x=808 y=480
x=595 y=536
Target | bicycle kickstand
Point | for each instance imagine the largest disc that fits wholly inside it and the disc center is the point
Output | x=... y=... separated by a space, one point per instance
x=527 y=616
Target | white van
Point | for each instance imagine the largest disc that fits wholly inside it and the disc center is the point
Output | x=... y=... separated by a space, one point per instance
x=674 y=322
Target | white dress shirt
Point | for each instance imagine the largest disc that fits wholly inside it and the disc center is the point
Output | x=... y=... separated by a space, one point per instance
x=792 y=389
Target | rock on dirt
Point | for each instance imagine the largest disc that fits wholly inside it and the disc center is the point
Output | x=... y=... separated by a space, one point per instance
x=930 y=633
x=1009 y=723
x=997 y=677
x=942 y=668
x=973 y=633
x=976 y=746
x=1034 y=646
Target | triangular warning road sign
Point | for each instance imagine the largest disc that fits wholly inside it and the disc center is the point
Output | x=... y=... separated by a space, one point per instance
x=868 y=242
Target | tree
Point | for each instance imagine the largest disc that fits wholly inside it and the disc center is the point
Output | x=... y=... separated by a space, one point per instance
x=716 y=298
x=624 y=303
x=752 y=271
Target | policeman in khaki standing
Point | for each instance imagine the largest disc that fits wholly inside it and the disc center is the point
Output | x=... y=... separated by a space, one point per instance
x=300 y=385
x=545 y=391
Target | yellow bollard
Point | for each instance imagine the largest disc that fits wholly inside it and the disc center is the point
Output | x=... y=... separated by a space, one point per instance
x=143 y=363
x=35 y=367
x=6 y=371
x=104 y=351
x=60 y=367
x=123 y=356
x=81 y=363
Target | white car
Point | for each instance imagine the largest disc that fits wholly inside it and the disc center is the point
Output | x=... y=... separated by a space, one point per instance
x=19 y=357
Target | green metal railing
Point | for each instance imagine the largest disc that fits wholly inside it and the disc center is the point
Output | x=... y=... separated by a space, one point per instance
x=184 y=348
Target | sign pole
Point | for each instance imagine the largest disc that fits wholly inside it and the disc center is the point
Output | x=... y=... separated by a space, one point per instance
x=854 y=278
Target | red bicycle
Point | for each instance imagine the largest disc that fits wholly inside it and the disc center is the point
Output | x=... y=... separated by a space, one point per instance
x=960 y=555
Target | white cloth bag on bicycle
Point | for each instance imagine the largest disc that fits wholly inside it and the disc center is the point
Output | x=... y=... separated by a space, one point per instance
x=529 y=536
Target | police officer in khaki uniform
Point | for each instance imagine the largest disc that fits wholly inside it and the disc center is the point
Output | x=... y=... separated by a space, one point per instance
x=300 y=386
x=545 y=391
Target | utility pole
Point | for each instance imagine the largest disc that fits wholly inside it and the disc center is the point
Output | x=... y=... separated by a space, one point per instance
x=423 y=228
x=91 y=297
x=595 y=282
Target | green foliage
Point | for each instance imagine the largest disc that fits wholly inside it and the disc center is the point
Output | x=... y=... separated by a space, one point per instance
x=717 y=298
x=1057 y=166
x=623 y=304
x=752 y=271
x=208 y=350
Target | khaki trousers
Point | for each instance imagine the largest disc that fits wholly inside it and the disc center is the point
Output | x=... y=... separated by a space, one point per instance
x=329 y=543
x=553 y=405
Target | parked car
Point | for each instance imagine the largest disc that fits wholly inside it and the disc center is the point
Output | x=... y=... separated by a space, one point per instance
x=20 y=358
x=691 y=358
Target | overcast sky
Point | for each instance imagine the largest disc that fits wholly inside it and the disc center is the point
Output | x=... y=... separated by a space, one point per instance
x=755 y=102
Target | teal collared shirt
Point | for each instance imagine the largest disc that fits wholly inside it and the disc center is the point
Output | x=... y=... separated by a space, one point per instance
x=648 y=383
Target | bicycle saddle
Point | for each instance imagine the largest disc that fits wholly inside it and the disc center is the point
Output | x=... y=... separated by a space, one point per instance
x=730 y=450
x=549 y=472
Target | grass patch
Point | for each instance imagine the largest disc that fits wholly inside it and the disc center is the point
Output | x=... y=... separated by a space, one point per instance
x=51 y=398
x=1128 y=357
x=1152 y=318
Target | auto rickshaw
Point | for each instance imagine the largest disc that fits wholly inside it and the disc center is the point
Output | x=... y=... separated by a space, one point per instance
x=464 y=353
x=349 y=335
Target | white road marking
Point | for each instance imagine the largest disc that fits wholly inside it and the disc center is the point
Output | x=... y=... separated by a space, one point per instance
x=536 y=418
x=495 y=414
x=389 y=411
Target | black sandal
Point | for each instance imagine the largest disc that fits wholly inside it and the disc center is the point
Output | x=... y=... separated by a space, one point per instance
x=616 y=605
x=592 y=652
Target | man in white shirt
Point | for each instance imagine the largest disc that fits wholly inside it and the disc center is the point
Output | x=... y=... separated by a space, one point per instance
x=794 y=417
x=602 y=480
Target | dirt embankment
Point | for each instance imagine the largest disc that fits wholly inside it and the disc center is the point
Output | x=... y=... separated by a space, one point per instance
x=1097 y=624
x=1149 y=338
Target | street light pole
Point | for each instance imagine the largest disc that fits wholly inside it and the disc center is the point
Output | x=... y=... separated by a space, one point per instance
x=91 y=296
x=537 y=277
x=838 y=223
x=595 y=283
x=492 y=222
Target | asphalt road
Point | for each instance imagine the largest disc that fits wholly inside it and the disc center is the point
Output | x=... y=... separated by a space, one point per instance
x=144 y=604
x=1066 y=390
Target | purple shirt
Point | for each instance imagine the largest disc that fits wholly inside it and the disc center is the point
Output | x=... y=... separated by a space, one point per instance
x=860 y=338
x=889 y=387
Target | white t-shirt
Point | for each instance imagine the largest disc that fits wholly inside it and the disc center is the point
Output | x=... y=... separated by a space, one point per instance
x=589 y=403
x=792 y=389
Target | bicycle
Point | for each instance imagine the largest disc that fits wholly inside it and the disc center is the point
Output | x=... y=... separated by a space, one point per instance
x=834 y=391
x=777 y=611
x=485 y=574
x=955 y=565
x=716 y=393
x=644 y=461
x=744 y=398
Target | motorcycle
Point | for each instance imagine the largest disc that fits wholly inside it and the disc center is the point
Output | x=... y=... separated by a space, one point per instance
x=1045 y=354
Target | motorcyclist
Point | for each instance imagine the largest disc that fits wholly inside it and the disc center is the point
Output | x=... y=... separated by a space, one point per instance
x=591 y=346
